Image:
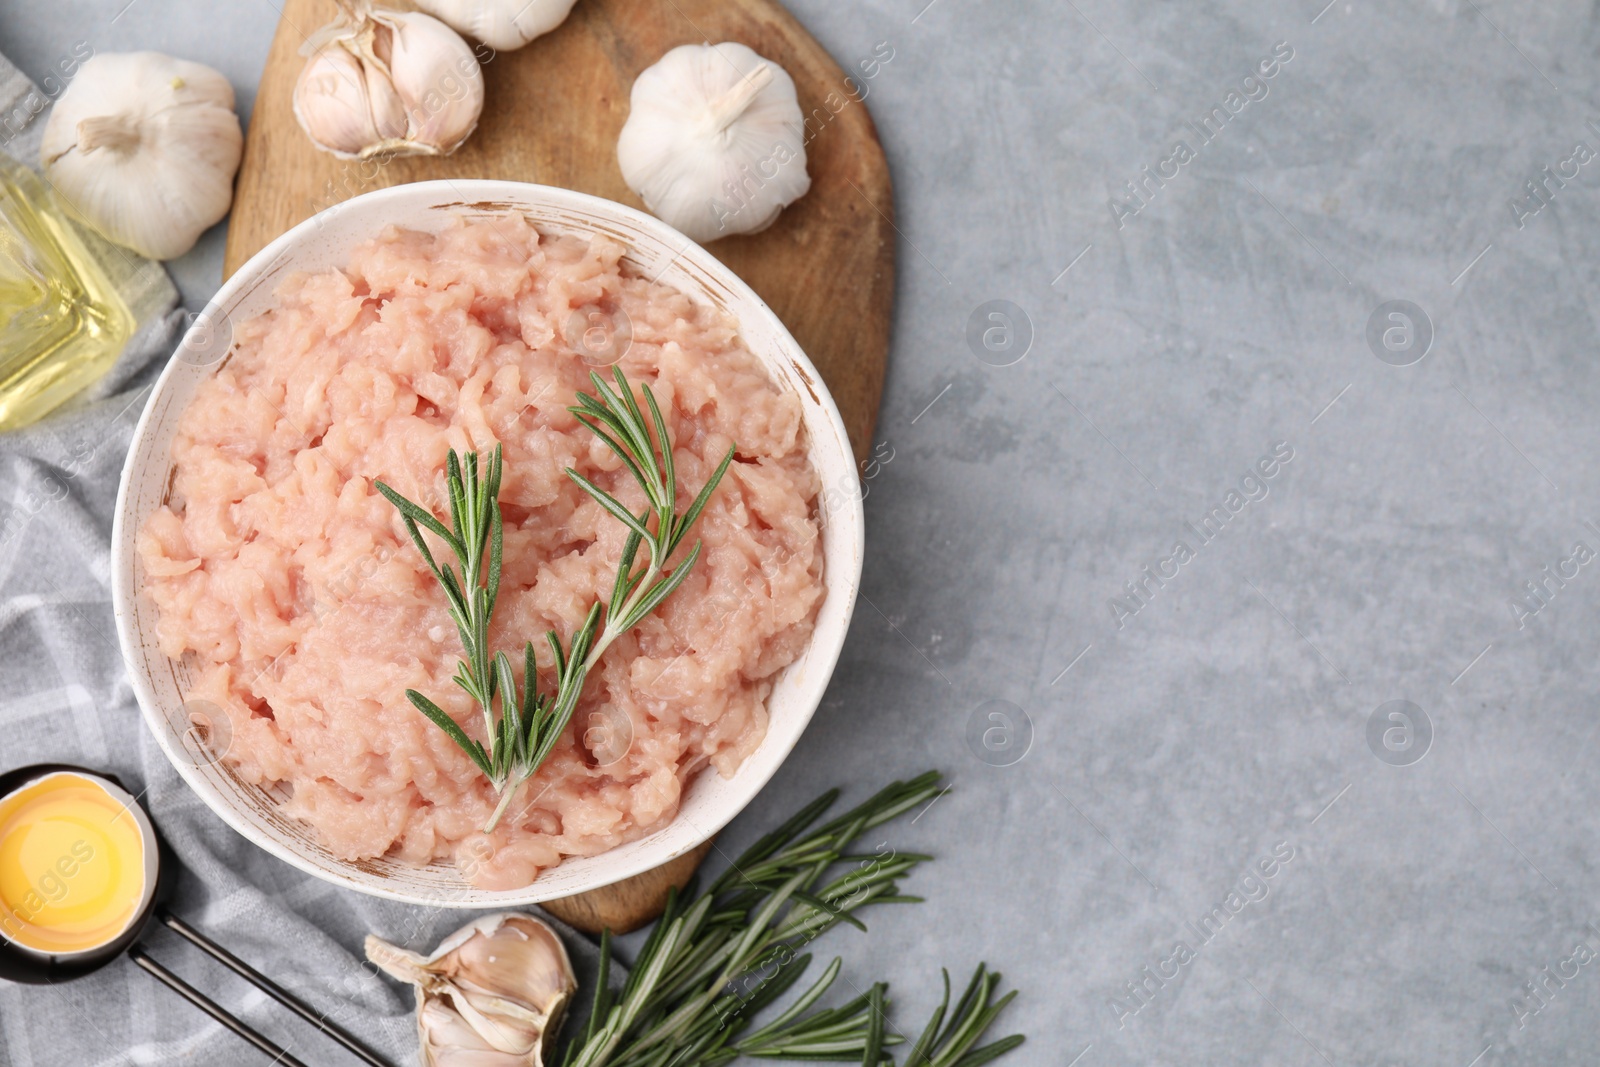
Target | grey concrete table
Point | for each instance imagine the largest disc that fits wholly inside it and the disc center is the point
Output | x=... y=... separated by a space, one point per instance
x=1242 y=383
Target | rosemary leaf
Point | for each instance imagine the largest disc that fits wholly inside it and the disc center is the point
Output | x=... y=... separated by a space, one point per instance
x=651 y=600
x=700 y=502
x=442 y=720
x=874 y=1050
x=522 y=731
x=610 y=503
x=918 y=1056
x=718 y=957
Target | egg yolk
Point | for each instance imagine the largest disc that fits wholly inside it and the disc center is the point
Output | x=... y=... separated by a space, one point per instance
x=72 y=871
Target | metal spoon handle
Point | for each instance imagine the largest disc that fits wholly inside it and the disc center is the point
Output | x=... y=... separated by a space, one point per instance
x=269 y=987
x=188 y=992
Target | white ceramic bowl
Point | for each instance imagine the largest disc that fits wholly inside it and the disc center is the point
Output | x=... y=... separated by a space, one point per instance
x=325 y=241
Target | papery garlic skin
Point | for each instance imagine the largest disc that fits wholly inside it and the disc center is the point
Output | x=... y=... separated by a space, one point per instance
x=348 y=105
x=143 y=148
x=715 y=142
x=489 y=995
x=504 y=25
x=394 y=83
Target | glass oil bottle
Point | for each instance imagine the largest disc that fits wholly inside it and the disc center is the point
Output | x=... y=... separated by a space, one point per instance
x=63 y=318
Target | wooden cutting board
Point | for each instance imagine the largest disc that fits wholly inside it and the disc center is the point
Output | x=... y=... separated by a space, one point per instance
x=552 y=114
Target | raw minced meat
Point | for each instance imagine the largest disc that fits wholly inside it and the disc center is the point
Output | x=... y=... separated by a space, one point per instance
x=306 y=612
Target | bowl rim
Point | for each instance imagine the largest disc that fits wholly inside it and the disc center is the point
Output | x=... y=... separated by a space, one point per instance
x=841 y=577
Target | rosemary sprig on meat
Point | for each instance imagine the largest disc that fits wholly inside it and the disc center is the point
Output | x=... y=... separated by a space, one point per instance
x=717 y=958
x=522 y=728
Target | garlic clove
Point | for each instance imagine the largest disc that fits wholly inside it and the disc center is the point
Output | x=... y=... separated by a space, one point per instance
x=448 y=1041
x=489 y=994
x=388 y=107
x=333 y=96
x=427 y=67
x=388 y=83
x=143 y=148
x=504 y=25
x=714 y=143
x=533 y=955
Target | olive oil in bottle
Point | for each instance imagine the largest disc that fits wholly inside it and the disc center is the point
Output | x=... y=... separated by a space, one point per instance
x=63 y=321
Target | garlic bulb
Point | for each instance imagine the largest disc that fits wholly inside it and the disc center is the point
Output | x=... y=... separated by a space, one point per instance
x=388 y=83
x=504 y=25
x=715 y=143
x=143 y=148
x=489 y=994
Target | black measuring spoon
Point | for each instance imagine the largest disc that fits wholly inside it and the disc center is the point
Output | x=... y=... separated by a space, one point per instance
x=34 y=966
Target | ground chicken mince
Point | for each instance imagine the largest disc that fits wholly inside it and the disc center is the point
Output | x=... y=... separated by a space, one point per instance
x=305 y=613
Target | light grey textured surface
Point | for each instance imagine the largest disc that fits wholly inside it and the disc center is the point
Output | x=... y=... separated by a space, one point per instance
x=1229 y=716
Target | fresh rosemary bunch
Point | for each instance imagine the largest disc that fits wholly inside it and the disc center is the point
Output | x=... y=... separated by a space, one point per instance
x=717 y=958
x=526 y=727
